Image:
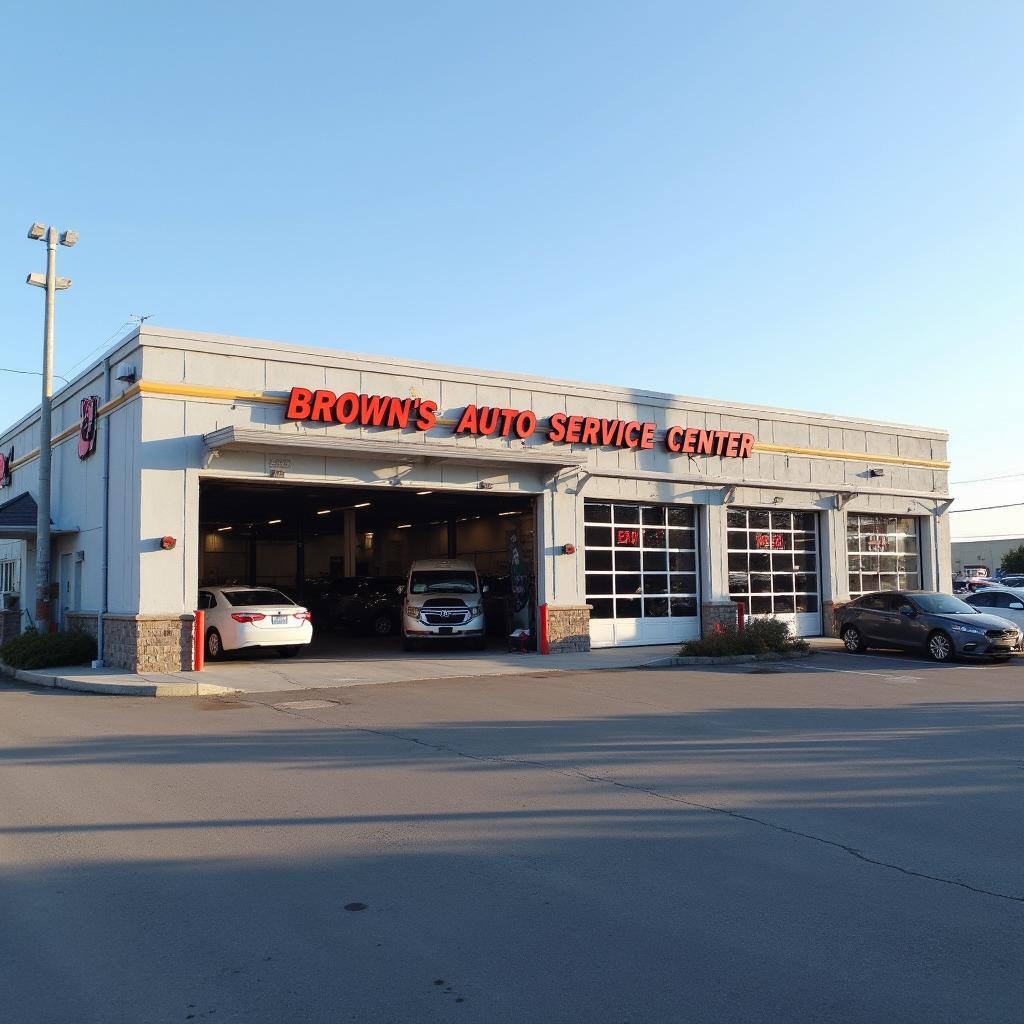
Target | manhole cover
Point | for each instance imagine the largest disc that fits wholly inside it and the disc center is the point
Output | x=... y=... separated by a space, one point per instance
x=306 y=705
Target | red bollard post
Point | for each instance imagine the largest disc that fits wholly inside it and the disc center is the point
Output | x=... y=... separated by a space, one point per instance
x=198 y=641
x=542 y=616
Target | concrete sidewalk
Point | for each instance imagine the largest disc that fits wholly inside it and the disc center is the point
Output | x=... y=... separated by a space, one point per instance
x=265 y=674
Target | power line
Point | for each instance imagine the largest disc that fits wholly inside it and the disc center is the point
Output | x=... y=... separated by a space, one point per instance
x=987 y=508
x=102 y=345
x=31 y=373
x=985 y=479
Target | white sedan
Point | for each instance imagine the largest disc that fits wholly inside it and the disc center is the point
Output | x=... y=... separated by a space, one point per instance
x=1006 y=602
x=242 y=617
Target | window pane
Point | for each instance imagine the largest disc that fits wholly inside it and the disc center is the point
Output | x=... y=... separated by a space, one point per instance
x=628 y=515
x=760 y=562
x=684 y=606
x=685 y=539
x=783 y=605
x=655 y=583
x=599 y=583
x=597 y=559
x=628 y=609
x=654 y=538
x=739 y=583
x=680 y=515
x=782 y=520
x=760 y=583
x=656 y=608
x=597 y=512
x=736 y=517
x=758 y=518
x=682 y=583
x=782 y=583
x=627 y=561
x=736 y=541
x=803 y=521
x=738 y=563
x=655 y=561
x=597 y=537
x=760 y=606
x=652 y=515
x=627 y=583
x=682 y=561
x=602 y=608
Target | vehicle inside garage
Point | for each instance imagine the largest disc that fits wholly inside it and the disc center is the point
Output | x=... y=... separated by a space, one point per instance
x=344 y=552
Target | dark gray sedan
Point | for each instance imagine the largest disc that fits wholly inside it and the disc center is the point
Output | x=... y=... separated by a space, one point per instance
x=939 y=624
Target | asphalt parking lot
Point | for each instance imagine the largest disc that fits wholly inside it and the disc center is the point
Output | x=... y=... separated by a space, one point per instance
x=836 y=839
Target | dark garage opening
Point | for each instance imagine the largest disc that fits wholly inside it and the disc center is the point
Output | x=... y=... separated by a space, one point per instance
x=344 y=551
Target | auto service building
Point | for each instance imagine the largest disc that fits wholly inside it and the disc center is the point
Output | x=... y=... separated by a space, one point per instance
x=183 y=459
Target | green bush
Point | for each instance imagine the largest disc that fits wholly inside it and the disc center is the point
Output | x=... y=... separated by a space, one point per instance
x=38 y=650
x=1013 y=561
x=760 y=636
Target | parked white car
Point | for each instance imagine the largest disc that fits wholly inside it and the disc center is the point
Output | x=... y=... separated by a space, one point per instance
x=243 y=617
x=1006 y=602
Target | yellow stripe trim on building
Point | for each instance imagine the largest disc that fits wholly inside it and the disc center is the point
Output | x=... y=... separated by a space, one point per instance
x=824 y=453
x=156 y=387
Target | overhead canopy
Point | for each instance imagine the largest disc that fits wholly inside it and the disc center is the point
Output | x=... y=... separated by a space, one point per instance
x=18 y=517
x=242 y=439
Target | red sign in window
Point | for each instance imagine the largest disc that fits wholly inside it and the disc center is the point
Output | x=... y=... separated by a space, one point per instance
x=625 y=538
x=768 y=541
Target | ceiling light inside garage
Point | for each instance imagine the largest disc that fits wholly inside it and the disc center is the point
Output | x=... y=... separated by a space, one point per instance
x=403 y=526
x=271 y=522
x=362 y=504
x=324 y=511
x=420 y=494
x=223 y=529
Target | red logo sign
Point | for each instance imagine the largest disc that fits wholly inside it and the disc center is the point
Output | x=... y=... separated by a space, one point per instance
x=6 y=465
x=627 y=538
x=769 y=541
x=87 y=428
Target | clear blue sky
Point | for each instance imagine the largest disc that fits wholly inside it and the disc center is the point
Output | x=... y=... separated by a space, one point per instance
x=798 y=204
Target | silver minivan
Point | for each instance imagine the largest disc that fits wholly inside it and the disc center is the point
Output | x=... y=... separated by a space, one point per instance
x=444 y=600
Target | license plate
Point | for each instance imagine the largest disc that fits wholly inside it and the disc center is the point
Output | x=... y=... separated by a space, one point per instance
x=279 y=620
x=445 y=630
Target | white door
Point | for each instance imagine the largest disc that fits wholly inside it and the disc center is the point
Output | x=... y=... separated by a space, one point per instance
x=640 y=565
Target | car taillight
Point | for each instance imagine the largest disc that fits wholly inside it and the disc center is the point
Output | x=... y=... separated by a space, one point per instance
x=304 y=616
x=248 y=616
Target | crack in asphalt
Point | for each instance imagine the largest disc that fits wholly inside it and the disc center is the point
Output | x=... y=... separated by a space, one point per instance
x=573 y=771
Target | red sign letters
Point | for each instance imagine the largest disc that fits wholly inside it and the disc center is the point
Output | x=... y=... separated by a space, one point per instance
x=489 y=421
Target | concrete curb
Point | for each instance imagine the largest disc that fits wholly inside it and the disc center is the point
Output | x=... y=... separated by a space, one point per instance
x=83 y=684
x=733 y=659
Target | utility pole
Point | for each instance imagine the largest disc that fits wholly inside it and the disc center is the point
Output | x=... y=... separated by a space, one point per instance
x=53 y=284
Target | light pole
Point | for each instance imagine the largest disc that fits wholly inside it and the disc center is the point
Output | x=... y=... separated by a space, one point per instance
x=52 y=283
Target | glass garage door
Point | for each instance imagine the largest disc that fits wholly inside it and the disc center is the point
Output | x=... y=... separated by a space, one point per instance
x=640 y=563
x=773 y=565
x=883 y=553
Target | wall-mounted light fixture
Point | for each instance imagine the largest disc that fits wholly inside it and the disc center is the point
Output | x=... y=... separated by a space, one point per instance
x=168 y=543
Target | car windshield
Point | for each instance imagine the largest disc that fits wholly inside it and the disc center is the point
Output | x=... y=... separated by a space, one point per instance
x=443 y=581
x=944 y=604
x=237 y=598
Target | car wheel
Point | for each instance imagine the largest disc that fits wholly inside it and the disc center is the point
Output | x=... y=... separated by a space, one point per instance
x=940 y=647
x=852 y=640
x=214 y=646
x=382 y=625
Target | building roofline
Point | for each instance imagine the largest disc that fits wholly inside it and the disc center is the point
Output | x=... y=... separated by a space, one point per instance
x=150 y=334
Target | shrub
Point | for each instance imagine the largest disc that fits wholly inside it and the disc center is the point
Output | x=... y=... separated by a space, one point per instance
x=39 y=650
x=760 y=636
x=1013 y=561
